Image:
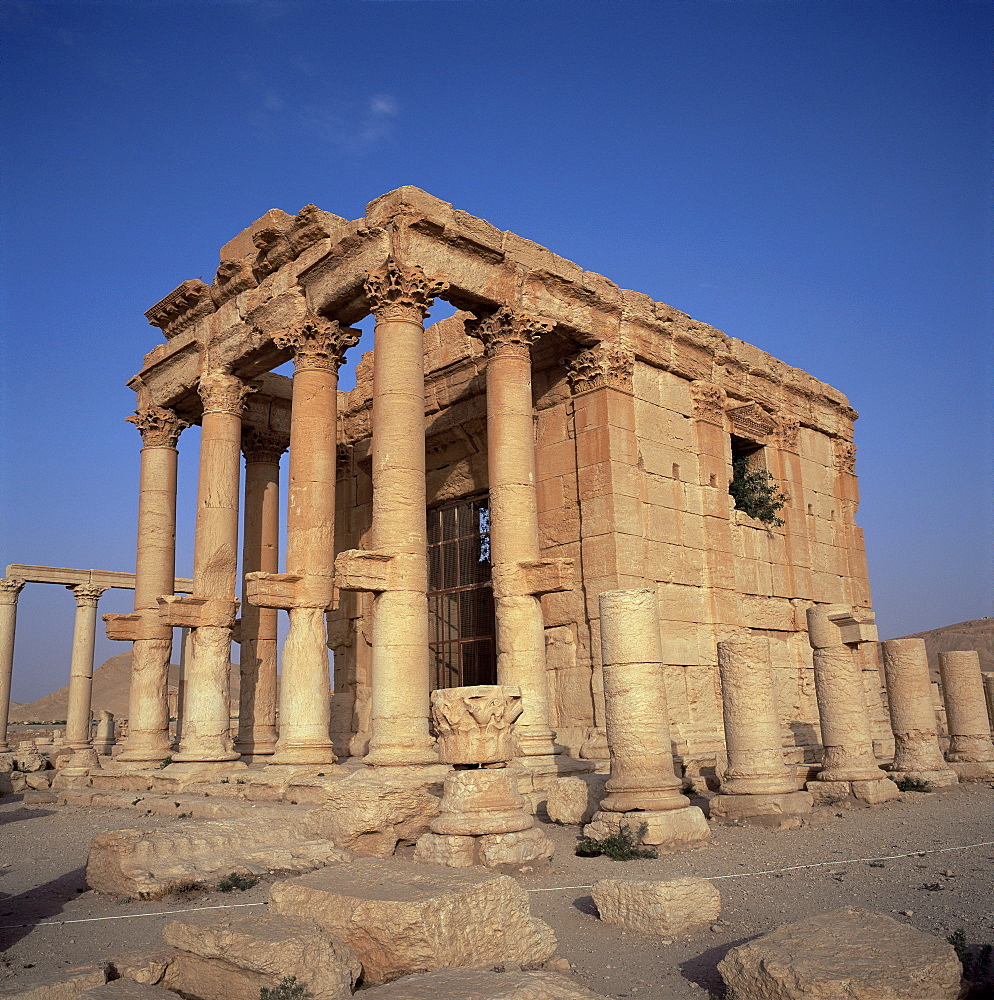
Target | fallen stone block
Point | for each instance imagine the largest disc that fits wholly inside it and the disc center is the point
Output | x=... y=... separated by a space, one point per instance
x=127 y=989
x=574 y=799
x=146 y=864
x=65 y=985
x=665 y=908
x=481 y=984
x=401 y=917
x=233 y=958
x=851 y=953
x=142 y=967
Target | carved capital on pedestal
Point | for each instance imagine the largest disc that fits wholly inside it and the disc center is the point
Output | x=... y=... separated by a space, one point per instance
x=708 y=400
x=508 y=331
x=607 y=364
x=263 y=445
x=317 y=343
x=10 y=587
x=223 y=393
x=786 y=433
x=86 y=595
x=474 y=724
x=844 y=456
x=159 y=427
x=398 y=291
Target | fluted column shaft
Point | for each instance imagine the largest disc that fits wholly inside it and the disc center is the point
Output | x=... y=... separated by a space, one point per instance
x=966 y=709
x=514 y=537
x=260 y=553
x=10 y=588
x=155 y=571
x=206 y=719
x=78 y=736
x=400 y=297
x=318 y=349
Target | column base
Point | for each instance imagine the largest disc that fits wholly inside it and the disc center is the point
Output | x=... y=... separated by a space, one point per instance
x=937 y=778
x=972 y=770
x=81 y=759
x=193 y=756
x=201 y=769
x=295 y=756
x=255 y=748
x=764 y=807
x=394 y=755
x=873 y=792
x=537 y=743
x=136 y=751
x=671 y=830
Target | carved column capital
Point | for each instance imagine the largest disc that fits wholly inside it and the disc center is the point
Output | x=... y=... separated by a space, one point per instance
x=317 y=343
x=844 y=455
x=399 y=291
x=606 y=364
x=159 y=427
x=223 y=393
x=263 y=445
x=508 y=331
x=786 y=433
x=708 y=400
x=86 y=594
x=10 y=587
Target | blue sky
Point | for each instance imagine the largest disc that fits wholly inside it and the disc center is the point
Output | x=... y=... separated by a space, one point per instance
x=812 y=177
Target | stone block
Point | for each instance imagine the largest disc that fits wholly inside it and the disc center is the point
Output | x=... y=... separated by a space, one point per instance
x=127 y=989
x=400 y=917
x=142 y=967
x=775 y=804
x=65 y=985
x=482 y=984
x=664 y=908
x=245 y=954
x=876 y=791
x=451 y=850
x=575 y=800
x=518 y=848
x=829 y=793
x=856 y=954
x=666 y=830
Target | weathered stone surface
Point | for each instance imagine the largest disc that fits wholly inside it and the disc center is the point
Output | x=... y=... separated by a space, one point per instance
x=664 y=908
x=142 y=967
x=574 y=799
x=666 y=830
x=482 y=984
x=850 y=953
x=147 y=864
x=475 y=724
x=481 y=801
x=759 y=805
x=875 y=792
x=450 y=850
x=65 y=985
x=518 y=848
x=127 y=989
x=257 y=951
x=401 y=917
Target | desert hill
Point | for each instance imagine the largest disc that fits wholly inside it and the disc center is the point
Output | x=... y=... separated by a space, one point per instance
x=977 y=634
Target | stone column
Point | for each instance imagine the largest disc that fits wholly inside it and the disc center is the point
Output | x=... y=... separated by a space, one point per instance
x=260 y=553
x=989 y=697
x=307 y=588
x=912 y=716
x=10 y=587
x=104 y=741
x=643 y=788
x=971 y=752
x=396 y=569
x=155 y=572
x=847 y=740
x=210 y=611
x=757 y=781
x=78 y=737
x=520 y=575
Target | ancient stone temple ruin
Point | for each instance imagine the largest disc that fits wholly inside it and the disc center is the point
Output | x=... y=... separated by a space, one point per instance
x=453 y=519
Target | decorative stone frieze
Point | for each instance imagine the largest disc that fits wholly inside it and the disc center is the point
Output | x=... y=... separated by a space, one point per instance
x=184 y=304
x=708 y=401
x=158 y=426
x=751 y=422
x=508 y=330
x=398 y=291
x=223 y=393
x=474 y=723
x=263 y=445
x=607 y=364
x=232 y=278
x=317 y=342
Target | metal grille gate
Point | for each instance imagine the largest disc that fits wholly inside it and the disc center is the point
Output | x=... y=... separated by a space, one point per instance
x=461 y=622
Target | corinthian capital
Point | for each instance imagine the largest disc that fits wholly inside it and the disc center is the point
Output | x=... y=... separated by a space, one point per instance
x=399 y=291
x=86 y=594
x=10 y=587
x=507 y=331
x=159 y=427
x=317 y=343
x=263 y=445
x=223 y=393
x=606 y=364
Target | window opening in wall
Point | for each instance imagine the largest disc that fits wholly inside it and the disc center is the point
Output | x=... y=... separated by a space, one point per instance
x=752 y=487
x=462 y=626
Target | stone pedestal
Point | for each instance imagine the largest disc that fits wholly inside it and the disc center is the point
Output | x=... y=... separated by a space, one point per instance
x=103 y=742
x=148 y=739
x=78 y=711
x=483 y=818
x=396 y=568
x=642 y=779
x=757 y=781
x=971 y=752
x=917 y=753
x=835 y=633
x=9 y=590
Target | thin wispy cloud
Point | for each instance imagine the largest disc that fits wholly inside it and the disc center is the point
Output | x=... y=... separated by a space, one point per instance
x=351 y=125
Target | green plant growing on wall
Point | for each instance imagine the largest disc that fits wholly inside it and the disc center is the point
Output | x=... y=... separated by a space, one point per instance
x=755 y=493
x=288 y=989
